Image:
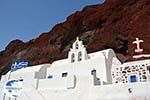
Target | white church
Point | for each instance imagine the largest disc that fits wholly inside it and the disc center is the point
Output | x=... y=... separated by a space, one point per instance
x=82 y=76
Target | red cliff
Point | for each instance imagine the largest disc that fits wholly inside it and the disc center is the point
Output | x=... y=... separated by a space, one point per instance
x=113 y=24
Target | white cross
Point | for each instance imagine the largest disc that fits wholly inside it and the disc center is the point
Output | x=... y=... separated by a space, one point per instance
x=137 y=42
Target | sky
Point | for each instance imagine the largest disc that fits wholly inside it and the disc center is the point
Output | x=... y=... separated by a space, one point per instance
x=27 y=19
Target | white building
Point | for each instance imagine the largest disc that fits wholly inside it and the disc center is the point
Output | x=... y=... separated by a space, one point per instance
x=82 y=76
x=79 y=64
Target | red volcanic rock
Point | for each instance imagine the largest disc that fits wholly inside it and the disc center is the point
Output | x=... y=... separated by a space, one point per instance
x=114 y=24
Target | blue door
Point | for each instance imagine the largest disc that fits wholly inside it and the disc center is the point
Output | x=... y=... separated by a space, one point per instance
x=133 y=78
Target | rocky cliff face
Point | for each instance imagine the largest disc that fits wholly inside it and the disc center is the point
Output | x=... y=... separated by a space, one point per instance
x=113 y=24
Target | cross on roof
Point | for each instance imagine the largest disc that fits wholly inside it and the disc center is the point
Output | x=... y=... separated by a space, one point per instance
x=137 y=42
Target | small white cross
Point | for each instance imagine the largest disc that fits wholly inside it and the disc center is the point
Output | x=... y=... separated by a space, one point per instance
x=137 y=42
x=77 y=38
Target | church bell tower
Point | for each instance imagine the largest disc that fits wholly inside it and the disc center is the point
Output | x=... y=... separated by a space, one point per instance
x=77 y=52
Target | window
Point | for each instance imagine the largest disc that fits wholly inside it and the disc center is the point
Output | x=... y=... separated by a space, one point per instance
x=79 y=56
x=21 y=79
x=77 y=46
x=64 y=74
x=93 y=72
x=144 y=77
x=148 y=68
x=50 y=77
x=96 y=80
x=72 y=57
x=133 y=78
